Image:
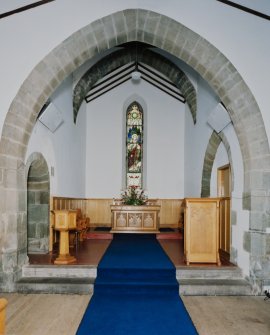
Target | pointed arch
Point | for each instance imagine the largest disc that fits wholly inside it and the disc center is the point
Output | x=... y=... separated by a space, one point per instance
x=171 y=36
x=210 y=154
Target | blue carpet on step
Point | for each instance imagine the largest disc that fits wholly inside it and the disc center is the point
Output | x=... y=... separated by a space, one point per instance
x=136 y=292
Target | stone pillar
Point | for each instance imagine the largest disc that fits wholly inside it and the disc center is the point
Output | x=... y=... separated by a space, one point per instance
x=13 y=226
x=38 y=217
x=257 y=239
x=38 y=205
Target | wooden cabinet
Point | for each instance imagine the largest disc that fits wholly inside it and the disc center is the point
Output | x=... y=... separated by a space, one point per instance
x=201 y=230
x=135 y=218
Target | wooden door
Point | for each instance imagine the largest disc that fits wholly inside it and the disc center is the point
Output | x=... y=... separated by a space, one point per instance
x=224 y=181
x=224 y=192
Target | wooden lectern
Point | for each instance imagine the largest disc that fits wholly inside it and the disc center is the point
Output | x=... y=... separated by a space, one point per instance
x=65 y=220
x=201 y=230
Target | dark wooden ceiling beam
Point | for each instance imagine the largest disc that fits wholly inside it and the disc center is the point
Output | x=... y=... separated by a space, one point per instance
x=245 y=9
x=117 y=78
x=24 y=8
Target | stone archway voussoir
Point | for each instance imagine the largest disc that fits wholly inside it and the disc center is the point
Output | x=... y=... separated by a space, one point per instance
x=17 y=134
x=79 y=43
x=12 y=148
x=118 y=29
x=100 y=35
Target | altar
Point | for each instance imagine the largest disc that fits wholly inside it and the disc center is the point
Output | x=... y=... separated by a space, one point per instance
x=135 y=219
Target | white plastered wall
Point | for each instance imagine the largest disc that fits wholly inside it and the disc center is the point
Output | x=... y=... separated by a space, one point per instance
x=197 y=138
x=163 y=143
x=64 y=150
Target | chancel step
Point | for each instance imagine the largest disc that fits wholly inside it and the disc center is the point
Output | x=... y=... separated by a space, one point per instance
x=212 y=281
x=75 y=279
x=210 y=287
x=59 y=271
x=55 y=285
x=211 y=272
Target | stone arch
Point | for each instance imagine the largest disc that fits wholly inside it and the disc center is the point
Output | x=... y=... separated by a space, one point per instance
x=38 y=200
x=210 y=153
x=209 y=158
x=165 y=33
x=125 y=56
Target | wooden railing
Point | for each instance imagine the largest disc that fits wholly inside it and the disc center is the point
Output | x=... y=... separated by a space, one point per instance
x=64 y=203
x=171 y=212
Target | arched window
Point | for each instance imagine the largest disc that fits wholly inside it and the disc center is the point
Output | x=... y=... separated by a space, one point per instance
x=134 y=145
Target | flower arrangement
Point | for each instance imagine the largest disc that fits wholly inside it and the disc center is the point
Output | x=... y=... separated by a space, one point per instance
x=134 y=196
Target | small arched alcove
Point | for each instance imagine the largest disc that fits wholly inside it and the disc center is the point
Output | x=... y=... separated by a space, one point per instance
x=38 y=195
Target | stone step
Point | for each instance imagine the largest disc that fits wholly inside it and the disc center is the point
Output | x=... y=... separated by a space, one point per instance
x=207 y=287
x=59 y=271
x=79 y=279
x=64 y=279
x=214 y=287
x=202 y=272
x=55 y=285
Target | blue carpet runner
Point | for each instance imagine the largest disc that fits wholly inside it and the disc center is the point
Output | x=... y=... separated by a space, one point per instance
x=136 y=292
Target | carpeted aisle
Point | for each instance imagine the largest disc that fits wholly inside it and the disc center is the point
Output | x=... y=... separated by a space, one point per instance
x=136 y=292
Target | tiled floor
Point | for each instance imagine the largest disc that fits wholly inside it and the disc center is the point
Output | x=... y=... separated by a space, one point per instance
x=90 y=252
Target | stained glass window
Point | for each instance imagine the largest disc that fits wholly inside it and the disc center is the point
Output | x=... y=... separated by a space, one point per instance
x=134 y=145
